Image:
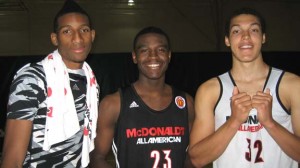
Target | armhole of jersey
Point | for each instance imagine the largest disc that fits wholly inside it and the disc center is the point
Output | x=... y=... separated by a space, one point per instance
x=277 y=94
x=268 y=77
x=221 y=92
x=121 y=92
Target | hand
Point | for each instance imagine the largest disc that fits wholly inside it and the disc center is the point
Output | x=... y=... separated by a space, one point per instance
x=262 y=102
x=240 y=106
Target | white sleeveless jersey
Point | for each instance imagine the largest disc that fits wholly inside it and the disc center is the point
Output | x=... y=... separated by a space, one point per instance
x=252 y=146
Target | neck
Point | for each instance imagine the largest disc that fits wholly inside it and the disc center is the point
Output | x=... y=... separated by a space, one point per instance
x=248 y=71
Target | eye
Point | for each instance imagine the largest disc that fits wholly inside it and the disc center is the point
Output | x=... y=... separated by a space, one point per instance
x=162 y=50
x=85 y=30
x=143 y=50
x=235 y=31
x=255 y=30
x=66 y=31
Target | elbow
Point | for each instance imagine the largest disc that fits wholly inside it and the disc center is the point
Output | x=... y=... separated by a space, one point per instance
x=197 y=163
x=196 y=160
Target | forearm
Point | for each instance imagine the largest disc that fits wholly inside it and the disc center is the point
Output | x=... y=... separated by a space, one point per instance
x=287 y=141
x=15 y=143
x=211 y=147
x=12 y=162
x=100 y=163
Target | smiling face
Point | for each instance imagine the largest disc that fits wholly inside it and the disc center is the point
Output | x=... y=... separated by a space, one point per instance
x=245 y=37
x=152 y=55
x=73 y=39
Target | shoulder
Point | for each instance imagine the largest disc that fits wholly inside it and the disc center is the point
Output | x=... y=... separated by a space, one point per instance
x=207 y=94
x=289 y=89
x=291 y=77
x=110 y=106
x=36 y=66
x=290 y=80
x=29 y=75
x=110 y=99
x=31 y=70
x=211 y=86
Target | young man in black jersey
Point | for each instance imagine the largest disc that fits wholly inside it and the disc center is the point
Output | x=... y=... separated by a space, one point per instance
x=53 y=103
x=146 y=124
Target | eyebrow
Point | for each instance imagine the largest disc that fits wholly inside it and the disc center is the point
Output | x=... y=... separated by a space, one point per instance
x=252 y=24
x=67 y=26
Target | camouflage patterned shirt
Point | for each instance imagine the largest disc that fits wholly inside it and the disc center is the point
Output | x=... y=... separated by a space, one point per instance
x=27 y=101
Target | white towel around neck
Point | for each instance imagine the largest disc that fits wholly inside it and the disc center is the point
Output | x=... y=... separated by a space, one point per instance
x=62 y=121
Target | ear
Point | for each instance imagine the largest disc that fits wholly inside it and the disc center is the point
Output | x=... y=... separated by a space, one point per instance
x=134 y=59
x=264 y=38
x=53 y=37
x=227 y=43
x=170 y=56
x=93 y=35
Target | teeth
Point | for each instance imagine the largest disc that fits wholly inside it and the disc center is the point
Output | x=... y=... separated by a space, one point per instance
x=153 y=65
x=246 y=46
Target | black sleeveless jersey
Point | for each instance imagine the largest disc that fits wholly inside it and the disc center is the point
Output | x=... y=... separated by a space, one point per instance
x=145 y=138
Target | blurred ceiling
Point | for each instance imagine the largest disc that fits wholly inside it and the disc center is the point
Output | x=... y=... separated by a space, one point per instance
x=11 y=6
x=193 y=25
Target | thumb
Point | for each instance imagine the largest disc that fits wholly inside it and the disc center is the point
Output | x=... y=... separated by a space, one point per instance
x=235 y=91
x=268 y=91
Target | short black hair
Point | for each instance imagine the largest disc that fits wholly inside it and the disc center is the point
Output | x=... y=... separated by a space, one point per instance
x=70 y=6
x=249 y=11
x=151 y=29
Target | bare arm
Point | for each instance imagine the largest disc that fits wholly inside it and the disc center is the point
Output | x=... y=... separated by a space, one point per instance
x=289 y=92
x=17 y=136
x=191 y=116
x=206 y=144
x=191 y=110
x=109 y=110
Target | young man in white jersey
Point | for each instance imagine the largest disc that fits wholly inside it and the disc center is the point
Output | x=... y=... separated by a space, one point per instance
x=248 y=116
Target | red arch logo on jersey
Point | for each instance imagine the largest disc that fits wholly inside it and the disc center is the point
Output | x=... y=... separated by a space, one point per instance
x=180 y=102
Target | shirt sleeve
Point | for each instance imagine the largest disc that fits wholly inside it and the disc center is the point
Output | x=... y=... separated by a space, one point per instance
x=26 y=94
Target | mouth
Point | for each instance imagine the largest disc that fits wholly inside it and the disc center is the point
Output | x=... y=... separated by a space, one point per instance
x=78 y=50
x=153 y=66
x=246 y=46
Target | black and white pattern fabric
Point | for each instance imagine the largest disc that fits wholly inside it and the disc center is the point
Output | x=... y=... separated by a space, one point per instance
x=27 y=101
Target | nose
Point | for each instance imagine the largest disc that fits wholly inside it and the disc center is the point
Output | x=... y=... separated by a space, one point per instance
x=246 y=35
x=77 y=37
x=153 y=53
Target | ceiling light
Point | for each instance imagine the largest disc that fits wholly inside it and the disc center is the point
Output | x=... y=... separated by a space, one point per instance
x=130 y=2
